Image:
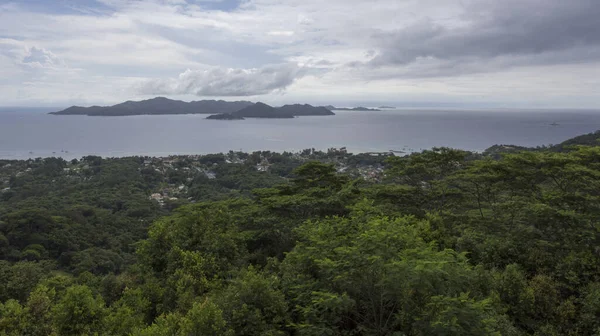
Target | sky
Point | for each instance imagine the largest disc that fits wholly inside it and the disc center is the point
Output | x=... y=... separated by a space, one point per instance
x=475 y=53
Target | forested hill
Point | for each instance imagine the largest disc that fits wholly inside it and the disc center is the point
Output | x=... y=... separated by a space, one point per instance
x=442 y=242
x=590 y=139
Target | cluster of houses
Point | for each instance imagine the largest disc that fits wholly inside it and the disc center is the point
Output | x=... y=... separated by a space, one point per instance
x=372 y=173
x=192 y=165
x=168 y=194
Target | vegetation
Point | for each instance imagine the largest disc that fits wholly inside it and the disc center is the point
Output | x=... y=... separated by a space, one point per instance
x=446 y=243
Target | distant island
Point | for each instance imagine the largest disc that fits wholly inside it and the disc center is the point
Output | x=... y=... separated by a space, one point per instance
x=219 y=109
x=386 y=107
x=360 y=108
x=156 y=106
x=262 y=110
x=224 y=116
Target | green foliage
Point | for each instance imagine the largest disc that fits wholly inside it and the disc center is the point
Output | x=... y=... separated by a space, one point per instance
x=448 y=243
x=18 y=279
x=128 y=314
x=204 y=319
x=253 y=304
x=38 y=312
x=78 y=312
x=457 y=316
x=374 y=275
x=12 y=318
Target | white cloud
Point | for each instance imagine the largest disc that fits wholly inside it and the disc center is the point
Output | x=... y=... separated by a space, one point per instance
x=354 y=48
x=219 y=81
x=281 y=33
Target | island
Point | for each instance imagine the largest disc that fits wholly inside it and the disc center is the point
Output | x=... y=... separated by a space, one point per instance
x=305 y=110
x=219 y=109
x=386 y=107
x=224 y=116
x=261 y=110
x=360 y=108
x=158 y=106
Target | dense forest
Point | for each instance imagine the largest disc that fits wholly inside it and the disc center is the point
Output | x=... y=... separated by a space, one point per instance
x=441 y=242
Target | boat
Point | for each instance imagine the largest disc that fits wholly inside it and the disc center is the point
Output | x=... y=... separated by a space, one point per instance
x=554 y=124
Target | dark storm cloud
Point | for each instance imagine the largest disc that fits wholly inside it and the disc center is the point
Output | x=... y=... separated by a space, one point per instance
x=497 y=34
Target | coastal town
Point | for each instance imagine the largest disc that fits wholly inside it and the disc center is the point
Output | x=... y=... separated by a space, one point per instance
x=177 y=178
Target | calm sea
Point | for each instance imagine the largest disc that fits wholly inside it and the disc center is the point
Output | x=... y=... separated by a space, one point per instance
x=28 y=133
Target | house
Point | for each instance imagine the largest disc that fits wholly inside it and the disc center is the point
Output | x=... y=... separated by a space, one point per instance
x=156 y=197
x=263 y=166
x=209 y=174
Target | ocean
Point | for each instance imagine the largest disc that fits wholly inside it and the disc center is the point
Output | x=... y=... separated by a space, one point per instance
x=30 y=133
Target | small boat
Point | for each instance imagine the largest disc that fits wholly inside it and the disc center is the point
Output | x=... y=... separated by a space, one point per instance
x=554 y=124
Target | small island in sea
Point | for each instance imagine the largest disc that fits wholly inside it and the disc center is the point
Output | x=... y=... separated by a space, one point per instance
x=262 y=110
x=218 y=109
x=360 y=108
x=386 y=107
x=224 y=116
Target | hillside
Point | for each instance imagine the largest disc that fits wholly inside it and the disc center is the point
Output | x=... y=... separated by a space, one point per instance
x=441 y=242
x=590 y=139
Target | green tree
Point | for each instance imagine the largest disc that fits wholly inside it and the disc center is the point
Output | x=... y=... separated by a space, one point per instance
x=204 y=319
x=372 y=275
x=458 y=316
x=12 y=318
x=253 y=304
x=128 y=314
x=38 y=312
x=78 y=312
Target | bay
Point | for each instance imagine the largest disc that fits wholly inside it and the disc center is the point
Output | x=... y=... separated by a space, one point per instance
x=29 y=133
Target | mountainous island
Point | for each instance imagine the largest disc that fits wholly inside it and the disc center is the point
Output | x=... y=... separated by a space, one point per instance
x=262 y=110
x=360 y=108
x=156 y=106
x=219 y=109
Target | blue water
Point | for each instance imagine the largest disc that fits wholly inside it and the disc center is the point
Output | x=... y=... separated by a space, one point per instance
x=23 y=131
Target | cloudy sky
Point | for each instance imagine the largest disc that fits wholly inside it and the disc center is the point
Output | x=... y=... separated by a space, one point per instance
x=500 y=53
